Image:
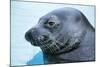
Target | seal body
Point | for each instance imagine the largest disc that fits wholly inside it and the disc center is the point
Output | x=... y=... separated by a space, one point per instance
x=64 y=35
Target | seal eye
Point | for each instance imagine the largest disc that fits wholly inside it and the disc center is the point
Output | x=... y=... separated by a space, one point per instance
x=51 y=23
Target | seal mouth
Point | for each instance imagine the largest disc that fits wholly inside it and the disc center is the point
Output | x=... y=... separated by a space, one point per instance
x=49 y=46
x=55 y=47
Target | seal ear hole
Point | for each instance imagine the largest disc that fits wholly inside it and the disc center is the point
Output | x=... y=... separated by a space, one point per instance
x=77 y=19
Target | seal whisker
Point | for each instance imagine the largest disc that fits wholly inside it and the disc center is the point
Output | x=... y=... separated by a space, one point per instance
x=48 y=46
x=54 y=46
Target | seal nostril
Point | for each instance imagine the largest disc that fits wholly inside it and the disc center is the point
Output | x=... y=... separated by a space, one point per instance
x=28 y=36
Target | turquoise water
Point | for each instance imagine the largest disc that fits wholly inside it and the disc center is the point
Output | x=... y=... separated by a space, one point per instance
x=25 y=15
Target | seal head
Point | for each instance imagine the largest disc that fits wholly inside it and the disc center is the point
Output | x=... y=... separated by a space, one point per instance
x=59 y=31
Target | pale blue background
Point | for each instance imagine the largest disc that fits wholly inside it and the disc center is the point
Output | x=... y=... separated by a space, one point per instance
x=25 y=15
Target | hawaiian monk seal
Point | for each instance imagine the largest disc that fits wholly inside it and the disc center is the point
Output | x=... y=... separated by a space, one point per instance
x=64 y=35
